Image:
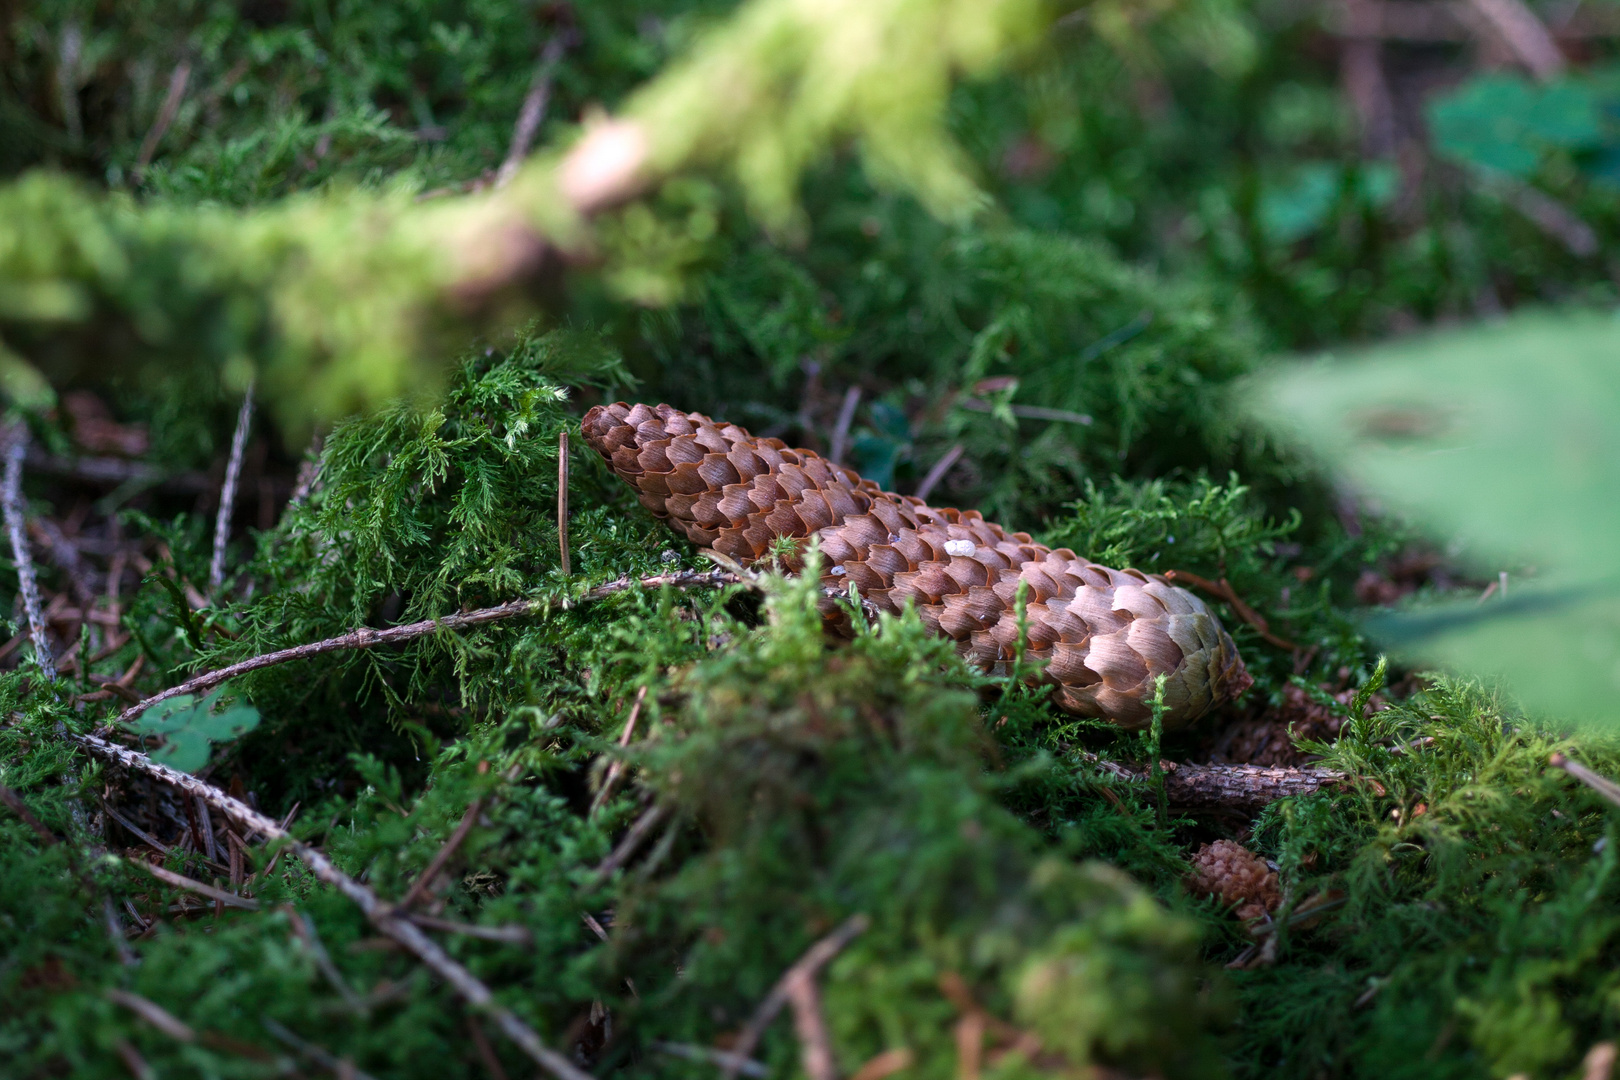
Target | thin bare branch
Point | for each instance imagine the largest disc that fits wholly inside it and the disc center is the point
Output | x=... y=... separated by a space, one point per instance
x=937 y=473
x=134 y=829
x=180 y=881
x=815 y=1045
x=1594 y=780
x=304 y=927
x=69 y=51
x=309 y=470
x=1552 y=217
x=16 y=805
x=178 y=79
x=534 y=107
x=11 y=498
x=709 y=1055
x=365 y=637
x=116 y=471
x=616 y=767
x=152 y=1013
x=1030 y=412
x=814 y=959
x=1518 y=28
x=425 y=880
x=511 y=935
x=846 y=417
x=340 y=1067
x=562 y=498
x=638 y=834
x=468 y=986
x=1223 y=590
x=205 y=821
x=227 y=494
x=486 y=1052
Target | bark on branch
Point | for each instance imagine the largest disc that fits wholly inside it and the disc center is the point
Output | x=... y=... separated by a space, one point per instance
x=381 y=914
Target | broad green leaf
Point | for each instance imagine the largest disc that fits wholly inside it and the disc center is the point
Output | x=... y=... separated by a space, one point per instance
x=1557 y=646
x=1506 y=123
x=189 y=728
x=1505 y=437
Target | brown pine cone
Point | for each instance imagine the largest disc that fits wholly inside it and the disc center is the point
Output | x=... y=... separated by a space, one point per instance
x=1104 y=635
x=1239 y=877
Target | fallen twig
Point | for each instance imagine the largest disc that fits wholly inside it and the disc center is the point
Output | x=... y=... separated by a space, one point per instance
x=1029 y=412
x=1244 y=787
x=562 y=498
x=304 y=928
x=709 y=1055
x=11 y=497
x=937 y=473
x=425 y=879
x=117 y=471
x=886 y=1063
x=340 y=1067
x=16 y=805
x=1518 y=28
x=469 y=987
x=134 y=829
x=633 y=839
x=511 y=935
x=152 y=1013
x=227 y=493
x=534 y=107
x=815 y=1045
x=616 y=767
x=846 y=417
x=1596 y=781
x=180 y=881
x=1223 y=590
x=1552 y=217
x=165 y=117
x=365 y=637
x=814 y=959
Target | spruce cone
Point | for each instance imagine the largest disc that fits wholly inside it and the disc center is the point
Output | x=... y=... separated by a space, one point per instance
x=1105 y=635
x=1237 y=876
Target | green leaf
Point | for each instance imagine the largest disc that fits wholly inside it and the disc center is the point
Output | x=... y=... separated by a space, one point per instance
x=1506 y=438
x=1505 y=435
x=1505 y=123
x=189 y=728
x=1557 y=646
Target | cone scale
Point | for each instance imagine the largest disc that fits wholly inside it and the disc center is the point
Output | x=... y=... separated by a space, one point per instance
x=1103 y=635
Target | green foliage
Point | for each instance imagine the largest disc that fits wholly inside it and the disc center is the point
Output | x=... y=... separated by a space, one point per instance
x=1513 y=126
x=1477 y=935
x=1137 y=205
x=189 y=728
x=1503 y=438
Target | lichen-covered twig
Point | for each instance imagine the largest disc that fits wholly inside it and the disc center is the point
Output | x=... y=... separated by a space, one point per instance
x=227 y=493
x=1241 y=787
x=381 y=914
x=11 y=497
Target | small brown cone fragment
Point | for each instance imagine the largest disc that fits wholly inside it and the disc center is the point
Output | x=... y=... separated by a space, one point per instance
x=1104 y=635
x=1238 y=877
